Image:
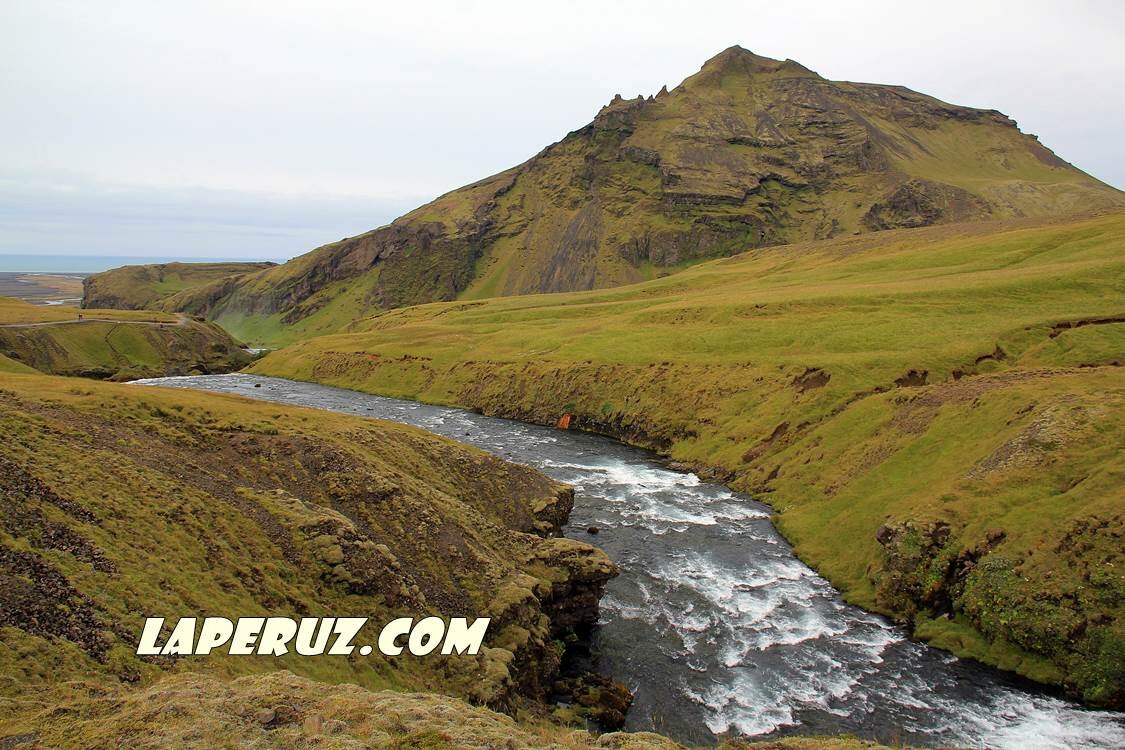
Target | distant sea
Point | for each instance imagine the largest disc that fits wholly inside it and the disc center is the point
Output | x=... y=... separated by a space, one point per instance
x=95 y=263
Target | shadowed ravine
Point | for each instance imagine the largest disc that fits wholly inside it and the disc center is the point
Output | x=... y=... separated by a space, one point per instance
x=713 y=622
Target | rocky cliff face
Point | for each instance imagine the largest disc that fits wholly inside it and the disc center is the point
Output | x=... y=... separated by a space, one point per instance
x=749 y=152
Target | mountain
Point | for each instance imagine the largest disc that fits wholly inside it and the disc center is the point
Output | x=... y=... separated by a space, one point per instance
x=147 y=286
x=936 y=415
x=749 y=152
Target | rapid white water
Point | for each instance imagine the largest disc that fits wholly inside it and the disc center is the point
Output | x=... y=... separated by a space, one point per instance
x=714 y=623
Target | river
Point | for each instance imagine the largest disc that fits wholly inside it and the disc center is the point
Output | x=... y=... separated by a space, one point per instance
x=714 y=623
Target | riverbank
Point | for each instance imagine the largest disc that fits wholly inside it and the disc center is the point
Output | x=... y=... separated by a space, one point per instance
x=713 y=622
x=123 y=501
x=934 y=414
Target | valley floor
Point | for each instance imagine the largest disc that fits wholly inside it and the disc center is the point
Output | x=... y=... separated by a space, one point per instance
x=936 y=414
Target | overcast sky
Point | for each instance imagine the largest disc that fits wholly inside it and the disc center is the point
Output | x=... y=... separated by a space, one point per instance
x=262 y=129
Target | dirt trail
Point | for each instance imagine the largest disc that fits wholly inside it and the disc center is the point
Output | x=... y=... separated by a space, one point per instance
x=181 y=320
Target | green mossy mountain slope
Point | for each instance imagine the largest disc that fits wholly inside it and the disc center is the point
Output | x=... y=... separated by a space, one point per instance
x=146 y=287
x=749 y=152
x=937 y=414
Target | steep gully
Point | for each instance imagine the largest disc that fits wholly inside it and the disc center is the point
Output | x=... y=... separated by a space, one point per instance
x=713 y=622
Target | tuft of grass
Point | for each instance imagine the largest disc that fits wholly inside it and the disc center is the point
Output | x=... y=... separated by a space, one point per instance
x=283 y=710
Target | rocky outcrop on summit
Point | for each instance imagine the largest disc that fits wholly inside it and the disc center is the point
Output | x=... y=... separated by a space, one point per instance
x=749 y=152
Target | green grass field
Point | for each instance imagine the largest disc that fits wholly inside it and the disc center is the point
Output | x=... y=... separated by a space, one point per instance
x=897 y=384
x=17 y=311
x=111 y=344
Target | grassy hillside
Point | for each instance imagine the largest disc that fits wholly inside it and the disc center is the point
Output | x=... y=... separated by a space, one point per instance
x=111 y=344
x=144 y=287
x=9 y=365
x=937 y=414
x=749 y=152
x=125 y=501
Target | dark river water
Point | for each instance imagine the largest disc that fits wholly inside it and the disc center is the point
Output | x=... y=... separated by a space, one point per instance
x=713 y=622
